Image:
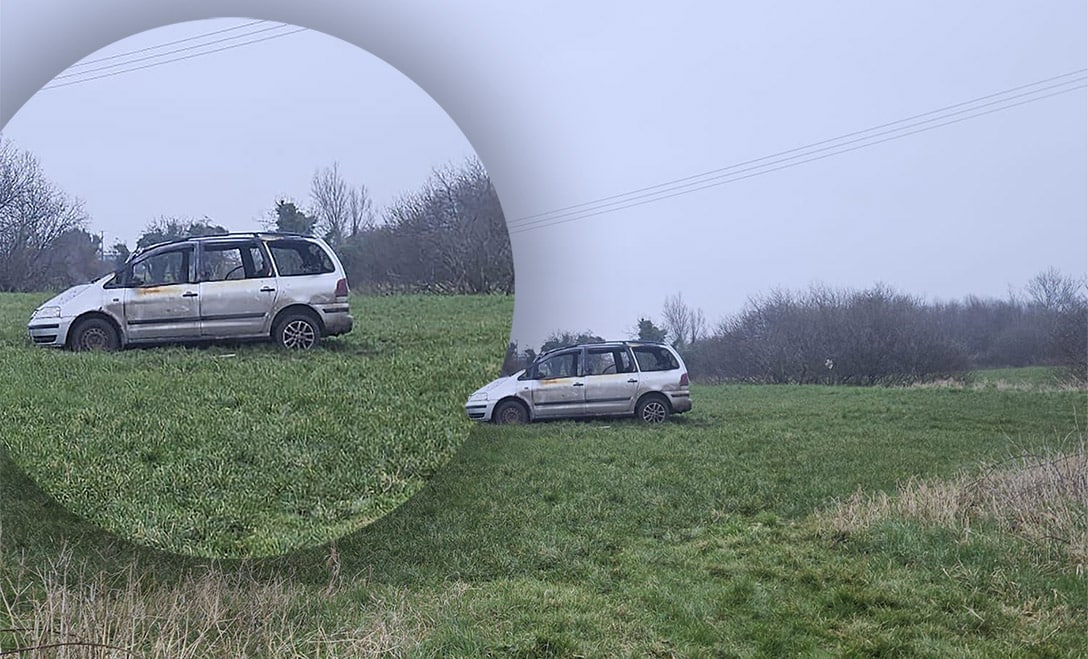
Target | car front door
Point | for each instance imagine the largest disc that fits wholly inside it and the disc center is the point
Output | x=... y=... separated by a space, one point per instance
x=237 y=289
x=558 y=388
x=161 y=300
x=611 y=380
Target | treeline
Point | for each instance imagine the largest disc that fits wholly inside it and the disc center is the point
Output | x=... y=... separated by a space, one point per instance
x=448 y=236
x=881 y=336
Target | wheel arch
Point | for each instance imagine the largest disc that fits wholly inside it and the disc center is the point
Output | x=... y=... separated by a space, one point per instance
x=516 y=399
x=655 y=394
x=86 y=315
x=297 y=308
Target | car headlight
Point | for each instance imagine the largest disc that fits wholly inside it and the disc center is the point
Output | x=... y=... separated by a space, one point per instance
x=479 y=395
x=47 y=312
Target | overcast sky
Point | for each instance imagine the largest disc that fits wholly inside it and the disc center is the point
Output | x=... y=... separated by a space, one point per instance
x=226 y=133
x=572 y=102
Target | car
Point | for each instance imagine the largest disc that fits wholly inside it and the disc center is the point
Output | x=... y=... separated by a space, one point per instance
x=619 y=378
x=289 y=288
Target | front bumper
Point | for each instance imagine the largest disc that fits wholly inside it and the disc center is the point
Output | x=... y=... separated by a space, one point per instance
x=480 y=410
x=49 y=332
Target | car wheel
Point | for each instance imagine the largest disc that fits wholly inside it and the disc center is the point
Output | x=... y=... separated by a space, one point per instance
x=297 y=331
x=95 y=334
x=652 y=409
x=510 y=411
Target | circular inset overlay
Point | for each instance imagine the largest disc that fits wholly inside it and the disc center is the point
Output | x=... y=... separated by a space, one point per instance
x=243 y=416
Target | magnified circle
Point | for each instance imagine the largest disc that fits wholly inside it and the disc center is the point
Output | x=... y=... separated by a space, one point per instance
x=241 y=417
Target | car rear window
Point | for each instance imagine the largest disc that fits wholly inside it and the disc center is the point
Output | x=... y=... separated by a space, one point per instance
x=300 y=257
x=654 y=358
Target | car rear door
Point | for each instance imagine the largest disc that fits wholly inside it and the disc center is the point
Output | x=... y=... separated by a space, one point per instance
x=611 y=380
x=237 y=288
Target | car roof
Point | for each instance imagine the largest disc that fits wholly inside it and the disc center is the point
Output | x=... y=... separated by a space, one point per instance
x=220 y=236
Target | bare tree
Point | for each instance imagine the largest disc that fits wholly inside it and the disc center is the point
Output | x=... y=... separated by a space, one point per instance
x=341 y=210
x=360 y=210
x=1063 y=310
x=447 y=237
x=34 y=214
x=684 y=324
x=1054 y=292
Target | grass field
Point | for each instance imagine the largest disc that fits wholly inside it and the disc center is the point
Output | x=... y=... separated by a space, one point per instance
x=246 y=450
x=770 y=521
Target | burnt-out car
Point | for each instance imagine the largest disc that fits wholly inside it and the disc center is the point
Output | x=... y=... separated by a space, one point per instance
x=624 y=378
x=288 y=288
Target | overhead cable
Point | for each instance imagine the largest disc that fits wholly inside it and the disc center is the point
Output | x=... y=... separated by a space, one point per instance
x=856 y=140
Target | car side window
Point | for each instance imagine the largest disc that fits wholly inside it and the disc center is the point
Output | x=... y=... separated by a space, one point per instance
x=563 y=365
x=654 y=358
x=606 y=361
x=231 y=261
x=163 y=269
x=300 y=257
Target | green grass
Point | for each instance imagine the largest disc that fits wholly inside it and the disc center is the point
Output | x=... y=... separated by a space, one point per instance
x=1025 y=376
x=704 y=537
x=245 y=449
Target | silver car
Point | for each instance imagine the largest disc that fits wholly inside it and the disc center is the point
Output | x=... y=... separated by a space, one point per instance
x=646 y=380
x=286 y=287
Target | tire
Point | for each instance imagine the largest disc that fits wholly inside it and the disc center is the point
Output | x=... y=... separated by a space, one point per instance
x=94 y=334
x=297 y=331
x=510 y=411
x=652 y=409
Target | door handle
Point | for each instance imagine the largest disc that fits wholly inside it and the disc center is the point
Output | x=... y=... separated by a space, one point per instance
x=632 y=381
x=578 y=384
x=188 y=294
x=267 y=289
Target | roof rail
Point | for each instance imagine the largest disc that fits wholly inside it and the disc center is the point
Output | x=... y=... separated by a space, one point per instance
x=211 y=236
x=284 y=233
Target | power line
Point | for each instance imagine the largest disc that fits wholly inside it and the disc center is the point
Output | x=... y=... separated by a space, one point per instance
x=807 y=146
x=78 y=74
x=701 y=179
x=713 y=177
x=169 y=61
x=787 y=166
x=163 y=45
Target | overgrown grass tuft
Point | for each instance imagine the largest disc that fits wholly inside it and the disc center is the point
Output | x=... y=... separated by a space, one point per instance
x=208 y=612
x=1028 y=378
x=1040 y=496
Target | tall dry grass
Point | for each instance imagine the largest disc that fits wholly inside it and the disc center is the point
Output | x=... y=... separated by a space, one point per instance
x=1040 y=496
x=59 y=610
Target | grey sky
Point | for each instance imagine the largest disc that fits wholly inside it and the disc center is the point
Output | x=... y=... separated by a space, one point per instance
x=226 y=134
x=569 y=102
